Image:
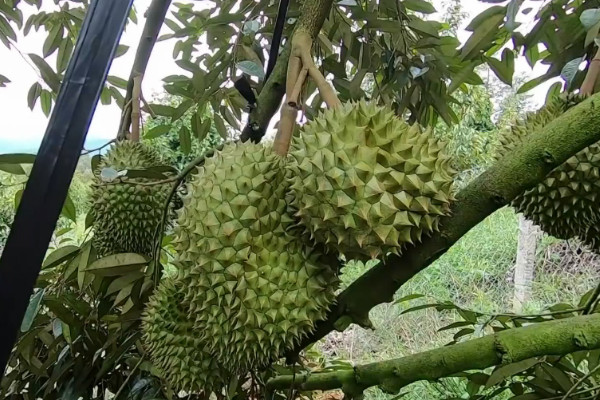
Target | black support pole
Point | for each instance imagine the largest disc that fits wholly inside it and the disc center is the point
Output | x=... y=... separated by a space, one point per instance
x=55 y=163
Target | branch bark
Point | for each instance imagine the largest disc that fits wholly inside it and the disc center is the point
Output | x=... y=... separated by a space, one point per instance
x=493 y=189
x=155 y=16
x=558 y=337
x=312 y=17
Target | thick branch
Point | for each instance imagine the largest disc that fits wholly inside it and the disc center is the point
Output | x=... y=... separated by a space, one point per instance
x=558 y=337
x=312 y=17
x=519 y=170
x=155 y=16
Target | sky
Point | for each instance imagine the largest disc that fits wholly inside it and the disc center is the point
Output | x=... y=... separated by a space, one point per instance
x=22 y=128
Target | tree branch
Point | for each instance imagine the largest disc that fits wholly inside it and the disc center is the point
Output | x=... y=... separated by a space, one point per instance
x=155 y=16
x=558 y=337
x=493 y=189
x=312 y=17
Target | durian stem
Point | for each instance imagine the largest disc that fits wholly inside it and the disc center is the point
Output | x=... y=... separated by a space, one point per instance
x=293 y=98
x=300 y=64
x=285 y=131
x=518 y=171
x=591 y=78
x=558 y=337
x=136 y=115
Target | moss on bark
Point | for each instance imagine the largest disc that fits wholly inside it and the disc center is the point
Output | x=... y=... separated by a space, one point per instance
x=557 y=337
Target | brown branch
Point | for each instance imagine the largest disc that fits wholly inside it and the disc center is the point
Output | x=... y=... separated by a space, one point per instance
x=493 y=189
x=589 y=83
x=558 y=337
x=156 y=14
x=136 y=115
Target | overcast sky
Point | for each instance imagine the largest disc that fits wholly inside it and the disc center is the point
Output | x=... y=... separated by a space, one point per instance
x=19 y=124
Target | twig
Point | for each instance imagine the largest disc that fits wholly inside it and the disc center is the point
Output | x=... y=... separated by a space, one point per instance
x=579 y=382
x=128 y=378
x=158 y=235
x=147 y=106
x=98 y=148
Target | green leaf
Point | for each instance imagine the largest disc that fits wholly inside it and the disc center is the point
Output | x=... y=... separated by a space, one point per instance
x=554 y=90
x=220 y=125
x=118 y=82
x=64 y=54
x=33 y=94
x=17 y=158
x=157 y=131
x=482 y=37
x=15 y=169
x=32 y=309
x=527 y=86
x=60 y=255
x=511 y=15
x=419 y=6
x=121 y=50
x=46 y=71
x=505 y=67
x=454 y=325
x=83 y=278
x=3 y=80
x=570 y=70
x=123 y=281
x=408 y=298
x=590 y=17
x=118 y=264
x=95 y=161
x=162 y=110
x=69 y=209
x=502 y=373
x=53 y=41
x=484 y=16
x=46 y=102
x=18 y=196
x=251 y=68
x=185 y=140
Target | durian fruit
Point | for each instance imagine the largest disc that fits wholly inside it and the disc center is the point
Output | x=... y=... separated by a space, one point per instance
x=173 y=345
x=566 y=203
x=126 y=214
x=253 y=288
x=365 y=183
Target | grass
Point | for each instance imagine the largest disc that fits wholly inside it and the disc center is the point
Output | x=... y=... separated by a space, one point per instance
x=476 y=273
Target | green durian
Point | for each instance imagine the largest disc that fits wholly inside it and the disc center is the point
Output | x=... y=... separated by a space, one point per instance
x=365 y=183
x=566 y=203
x=173 y=345
x=125 y=212
x=252 y=287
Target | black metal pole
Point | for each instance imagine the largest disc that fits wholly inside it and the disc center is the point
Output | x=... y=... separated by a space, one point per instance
x=55 y=163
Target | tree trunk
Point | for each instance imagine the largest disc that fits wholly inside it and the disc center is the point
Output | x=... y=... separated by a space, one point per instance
x=525 y=264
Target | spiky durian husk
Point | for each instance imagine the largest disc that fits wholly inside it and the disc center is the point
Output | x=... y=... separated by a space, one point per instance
x=565 y=203
x=365 y=183
x=127 y=214
x=591 y=238
x=253 y=288
x=173 y=345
